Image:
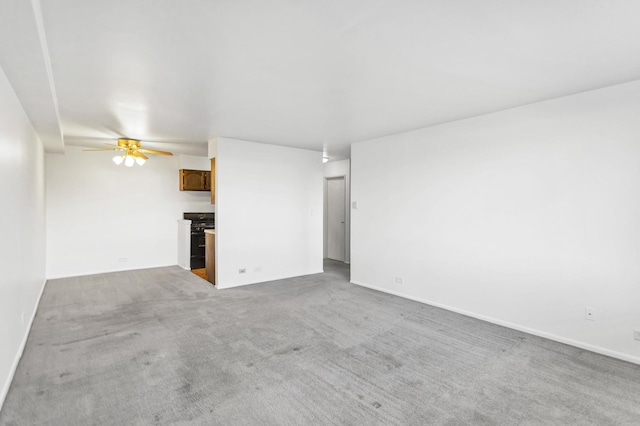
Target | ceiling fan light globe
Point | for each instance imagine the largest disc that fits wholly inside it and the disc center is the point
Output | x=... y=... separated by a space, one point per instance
x=140 y=161
x=118 y=160
x=129 y=161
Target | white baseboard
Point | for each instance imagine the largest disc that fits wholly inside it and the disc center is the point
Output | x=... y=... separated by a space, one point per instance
x=110 y=271
x=23 y=344
x=268 y=279
x=539 y=333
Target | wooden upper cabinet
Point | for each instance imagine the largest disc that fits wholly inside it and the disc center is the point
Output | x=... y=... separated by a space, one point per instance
x=195 y=180
x=213 y=181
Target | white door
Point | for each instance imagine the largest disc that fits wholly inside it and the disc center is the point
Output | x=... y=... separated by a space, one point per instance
x=336 y=234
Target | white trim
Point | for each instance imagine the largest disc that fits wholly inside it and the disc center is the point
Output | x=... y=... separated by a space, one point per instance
x=582 y=345
x=16 y=361
x=111 y=271
x=270 y=279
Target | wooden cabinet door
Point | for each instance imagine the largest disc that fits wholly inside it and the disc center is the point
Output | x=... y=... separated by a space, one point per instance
x=191 y=180
x=195 y=180
x=206 y=178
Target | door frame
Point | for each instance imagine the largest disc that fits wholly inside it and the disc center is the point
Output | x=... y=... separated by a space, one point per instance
x=347 y=229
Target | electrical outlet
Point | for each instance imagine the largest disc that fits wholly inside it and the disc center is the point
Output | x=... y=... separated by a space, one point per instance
x=354 y=205
x=257 y=269
x=242 y=270
x=589 y=314
x=636 y=334
x=122 y=260
x=399 y=280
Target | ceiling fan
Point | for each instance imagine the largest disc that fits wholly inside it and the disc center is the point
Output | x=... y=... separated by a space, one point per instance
x=130 y=152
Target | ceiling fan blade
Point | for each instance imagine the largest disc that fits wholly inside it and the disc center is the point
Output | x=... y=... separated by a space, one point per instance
x=101 y=149
x=153 y=151
x=140 y=155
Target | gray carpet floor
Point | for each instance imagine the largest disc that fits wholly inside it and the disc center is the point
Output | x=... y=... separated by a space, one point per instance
x=161 y=346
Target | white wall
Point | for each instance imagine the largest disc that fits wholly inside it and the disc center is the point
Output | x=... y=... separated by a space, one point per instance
x=268 y=212
x=22 y=230
x=99 y=213
x=337 y=169
x=194 y=162
x=522 y=217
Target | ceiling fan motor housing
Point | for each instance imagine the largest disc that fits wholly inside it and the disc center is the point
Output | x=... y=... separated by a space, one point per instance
x=129 y=144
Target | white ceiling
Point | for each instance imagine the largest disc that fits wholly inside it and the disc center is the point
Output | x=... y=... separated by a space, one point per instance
x=319 y=74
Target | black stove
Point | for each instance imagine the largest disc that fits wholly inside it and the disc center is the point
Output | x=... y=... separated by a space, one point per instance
x=199 y=222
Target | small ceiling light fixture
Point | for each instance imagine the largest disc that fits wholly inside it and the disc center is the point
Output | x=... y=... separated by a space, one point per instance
x=139 y=157
x=118 y=159
x=325 y=159
x=129 y=161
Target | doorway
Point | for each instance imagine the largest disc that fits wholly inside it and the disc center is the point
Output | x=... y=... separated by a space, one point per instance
x=336 y=218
